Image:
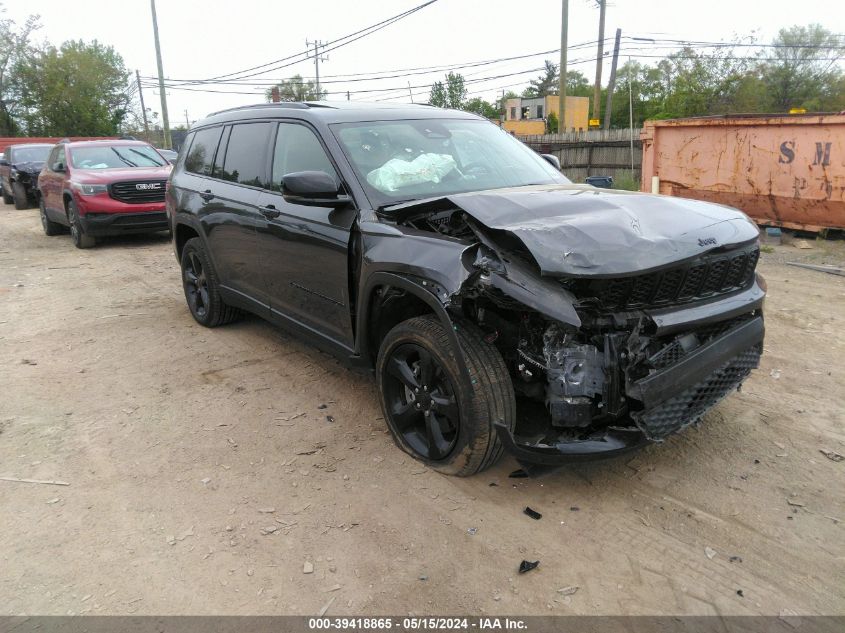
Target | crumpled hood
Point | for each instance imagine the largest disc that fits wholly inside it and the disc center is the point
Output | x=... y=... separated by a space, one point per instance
x=580 y=230
x=30 y=166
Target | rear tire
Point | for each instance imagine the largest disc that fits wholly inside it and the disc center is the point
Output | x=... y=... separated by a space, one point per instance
x=431 y=414
x=50 y=228
x=77 y=233
x=19 y=195
x=201 y=286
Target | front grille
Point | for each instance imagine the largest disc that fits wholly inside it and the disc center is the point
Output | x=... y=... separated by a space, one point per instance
x=678 y=347
x=131 y=193
x=689 y=406
x=708 y=276
x=137 y=220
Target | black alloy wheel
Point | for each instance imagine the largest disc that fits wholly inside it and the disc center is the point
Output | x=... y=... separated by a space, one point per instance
x=77 y=233
x=196 y=286
x=439 y=401
x=202 y=291
x=422 y=402
x=50 y=228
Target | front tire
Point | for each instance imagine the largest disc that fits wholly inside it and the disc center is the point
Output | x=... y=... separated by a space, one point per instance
x=77 y=233
x=432 y=415
x=19 y=195
x=202 y=289
x=50 y=228
x=7 y=197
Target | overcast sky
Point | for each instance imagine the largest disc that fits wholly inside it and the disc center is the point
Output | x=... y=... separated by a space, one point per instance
x=206 y=39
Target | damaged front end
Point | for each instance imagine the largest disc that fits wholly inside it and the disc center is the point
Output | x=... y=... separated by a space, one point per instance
x=602 y=364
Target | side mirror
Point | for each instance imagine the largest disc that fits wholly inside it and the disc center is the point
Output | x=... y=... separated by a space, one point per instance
x=552 y=160
x=314 y=188
x=59 y=167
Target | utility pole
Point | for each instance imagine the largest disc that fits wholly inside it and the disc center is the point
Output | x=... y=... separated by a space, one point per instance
x=187 y=123
x=143 y=108
x=631 y=115
x=611 y=84
x=164 y=118
x=317 y=59
x=564 y=28
x=410 y=93
x=599 y=60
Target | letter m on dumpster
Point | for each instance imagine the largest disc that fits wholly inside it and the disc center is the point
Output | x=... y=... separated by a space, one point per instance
x=822 y=154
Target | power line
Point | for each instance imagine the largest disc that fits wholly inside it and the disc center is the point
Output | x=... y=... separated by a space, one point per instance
x=404 y=71
x=341 y=41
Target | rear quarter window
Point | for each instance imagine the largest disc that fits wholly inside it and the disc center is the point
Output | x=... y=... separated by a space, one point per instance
x=246 y=154
x=200 y=156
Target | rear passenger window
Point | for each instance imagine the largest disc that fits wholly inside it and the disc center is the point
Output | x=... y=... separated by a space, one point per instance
x=246 y=154
x=298 y=149
x=200 y=156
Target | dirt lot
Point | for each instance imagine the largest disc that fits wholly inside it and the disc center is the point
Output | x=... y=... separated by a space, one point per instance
x=204 y=475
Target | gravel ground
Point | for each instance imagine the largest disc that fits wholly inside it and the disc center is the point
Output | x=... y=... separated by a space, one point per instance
x=205 y=478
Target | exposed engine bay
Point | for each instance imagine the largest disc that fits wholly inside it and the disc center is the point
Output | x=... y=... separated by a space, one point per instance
x=609 y=366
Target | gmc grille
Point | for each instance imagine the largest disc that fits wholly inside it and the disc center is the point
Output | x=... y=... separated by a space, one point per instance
x=708 y=276
x=138 y=191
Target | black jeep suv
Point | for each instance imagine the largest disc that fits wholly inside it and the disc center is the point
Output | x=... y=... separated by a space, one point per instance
x=501 y=307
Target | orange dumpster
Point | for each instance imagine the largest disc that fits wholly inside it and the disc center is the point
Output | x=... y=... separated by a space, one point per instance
x=782 y=170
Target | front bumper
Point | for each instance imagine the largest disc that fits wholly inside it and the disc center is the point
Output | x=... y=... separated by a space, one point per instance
x=105 y=224
x=669 y=400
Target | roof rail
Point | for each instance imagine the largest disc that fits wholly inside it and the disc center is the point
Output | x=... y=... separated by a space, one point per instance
x=296 y=105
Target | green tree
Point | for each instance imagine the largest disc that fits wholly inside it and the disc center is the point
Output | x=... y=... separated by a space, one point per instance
x=78 y=89
x=14 y=49
x=451 y=94
x=552 y=123
x=297 y=89
x=501 y=101
x=577 y=85
x=481 y=107
x=545 y=84
x=800 y=70
x=438 y=97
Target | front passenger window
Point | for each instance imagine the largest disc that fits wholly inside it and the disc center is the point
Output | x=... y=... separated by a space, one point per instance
x=298 y=149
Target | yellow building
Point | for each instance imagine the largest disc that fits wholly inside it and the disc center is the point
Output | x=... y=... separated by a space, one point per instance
x=525 y=115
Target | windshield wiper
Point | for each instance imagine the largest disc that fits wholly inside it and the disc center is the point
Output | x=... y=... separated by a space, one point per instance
x=395 y=204
x=123 y=158
x=149 y=158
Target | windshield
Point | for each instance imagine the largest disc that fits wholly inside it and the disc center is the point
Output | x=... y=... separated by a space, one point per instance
x=112 y=156
x=411 y=159
x=30 y=154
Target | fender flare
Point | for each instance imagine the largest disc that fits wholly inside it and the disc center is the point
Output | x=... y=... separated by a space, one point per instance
x=423 y=293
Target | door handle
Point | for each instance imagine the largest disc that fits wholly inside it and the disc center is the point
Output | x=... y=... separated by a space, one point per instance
x=270 y=212
x=206 y=195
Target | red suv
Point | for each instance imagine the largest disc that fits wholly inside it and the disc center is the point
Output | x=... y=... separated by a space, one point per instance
x=100 y=188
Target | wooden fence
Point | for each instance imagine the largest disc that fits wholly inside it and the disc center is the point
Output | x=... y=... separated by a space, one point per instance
x=592 y=152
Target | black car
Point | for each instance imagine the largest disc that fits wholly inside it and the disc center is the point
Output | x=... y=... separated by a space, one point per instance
x=501 y=307
x=19 y=169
